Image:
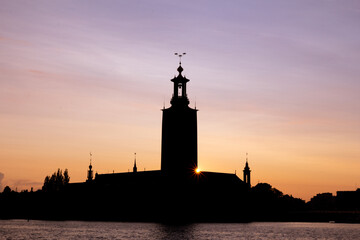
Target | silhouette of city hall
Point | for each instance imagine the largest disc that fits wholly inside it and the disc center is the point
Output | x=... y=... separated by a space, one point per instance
x=173 y=192
x=178 y=144
x=178 y=192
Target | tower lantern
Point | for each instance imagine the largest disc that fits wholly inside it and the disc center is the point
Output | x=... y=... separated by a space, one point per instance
x=179 y=97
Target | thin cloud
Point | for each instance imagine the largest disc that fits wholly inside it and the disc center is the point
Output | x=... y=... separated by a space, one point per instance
x=23 y=184
x=36 y=71
x=15 y=41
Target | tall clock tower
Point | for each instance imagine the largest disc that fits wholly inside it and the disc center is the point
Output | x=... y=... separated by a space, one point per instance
x=179 y=132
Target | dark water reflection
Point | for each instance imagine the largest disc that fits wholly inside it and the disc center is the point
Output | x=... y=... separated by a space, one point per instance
x=21 y=229
x=175 y=231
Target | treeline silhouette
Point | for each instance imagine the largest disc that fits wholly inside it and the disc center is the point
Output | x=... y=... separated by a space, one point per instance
x=168 y=200
x=57 y=181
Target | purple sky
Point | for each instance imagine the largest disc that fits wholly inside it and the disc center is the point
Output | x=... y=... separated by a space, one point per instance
x=277 y=79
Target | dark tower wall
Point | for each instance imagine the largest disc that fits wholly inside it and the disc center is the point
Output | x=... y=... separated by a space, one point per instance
x=179 y=132
x=179 y=140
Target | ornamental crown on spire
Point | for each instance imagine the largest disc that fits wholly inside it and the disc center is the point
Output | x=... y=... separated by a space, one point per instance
x=179 y=97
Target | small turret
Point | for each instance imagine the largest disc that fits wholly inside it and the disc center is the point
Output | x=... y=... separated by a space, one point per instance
x=247 y=172
x=135 y=168
x=90 y=174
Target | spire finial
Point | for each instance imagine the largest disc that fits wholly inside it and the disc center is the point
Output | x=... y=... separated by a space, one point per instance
x=180 y=69
x=90 y=157
x=246 y=157
x=180 y=55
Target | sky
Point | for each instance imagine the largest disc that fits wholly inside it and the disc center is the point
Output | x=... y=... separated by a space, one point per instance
x=278 y=80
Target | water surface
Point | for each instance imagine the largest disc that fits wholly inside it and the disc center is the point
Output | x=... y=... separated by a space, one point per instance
x=22 y=229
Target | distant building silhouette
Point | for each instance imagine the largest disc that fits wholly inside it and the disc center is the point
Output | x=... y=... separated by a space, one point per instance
x=322 y=201
x=348 y=199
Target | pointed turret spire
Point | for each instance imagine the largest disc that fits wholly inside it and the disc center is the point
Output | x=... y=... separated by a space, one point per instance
x=90 y=171
x=135 y=168
x=247 y=172
x=90 y=160
x=247 y=163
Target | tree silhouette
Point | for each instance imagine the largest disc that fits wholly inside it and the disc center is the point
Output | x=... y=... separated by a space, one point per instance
x=7 y=190
x=56 y=181
x=66 y=177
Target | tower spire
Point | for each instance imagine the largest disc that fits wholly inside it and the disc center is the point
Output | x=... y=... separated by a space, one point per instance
x=134 y=168
x=90 y=171
x=247 y=172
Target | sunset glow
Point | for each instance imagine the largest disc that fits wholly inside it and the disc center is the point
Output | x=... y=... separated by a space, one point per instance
x=276 y=79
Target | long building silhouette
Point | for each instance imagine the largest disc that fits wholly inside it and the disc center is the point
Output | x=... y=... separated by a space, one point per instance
x=174 y=191
x=179 y=148
x=178 y=192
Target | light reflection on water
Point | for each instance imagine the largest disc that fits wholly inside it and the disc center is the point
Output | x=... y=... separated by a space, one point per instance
x=22 y=229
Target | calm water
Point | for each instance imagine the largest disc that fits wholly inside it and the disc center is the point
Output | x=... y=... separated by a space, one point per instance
x=21 y=229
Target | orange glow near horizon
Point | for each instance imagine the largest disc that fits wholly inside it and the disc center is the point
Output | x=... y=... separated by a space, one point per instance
x=76 y=79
